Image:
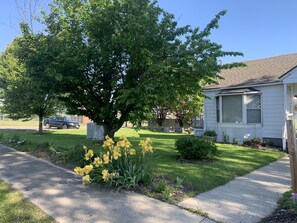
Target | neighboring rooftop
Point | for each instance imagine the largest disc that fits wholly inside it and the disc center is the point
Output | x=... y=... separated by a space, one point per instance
x=261 y=71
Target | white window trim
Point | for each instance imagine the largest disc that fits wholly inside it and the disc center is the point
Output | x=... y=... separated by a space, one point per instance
x=244 y=110
x=240 y=125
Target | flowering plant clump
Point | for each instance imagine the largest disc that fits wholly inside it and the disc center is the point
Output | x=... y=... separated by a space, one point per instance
x=118 y=164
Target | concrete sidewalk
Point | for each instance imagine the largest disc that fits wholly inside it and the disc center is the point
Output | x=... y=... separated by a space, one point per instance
x=248 y=198
x=61 y=194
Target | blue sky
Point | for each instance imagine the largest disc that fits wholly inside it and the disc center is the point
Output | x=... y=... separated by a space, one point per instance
x=258 y=28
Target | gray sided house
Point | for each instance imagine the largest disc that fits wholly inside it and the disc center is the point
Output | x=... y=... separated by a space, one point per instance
x=254 y=101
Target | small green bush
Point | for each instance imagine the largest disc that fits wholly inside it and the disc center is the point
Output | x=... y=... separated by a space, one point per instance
x=267 y=144
x=246 y=142
x=225 y=138
x=195 y=148
x=288 y=201
x=235 y=141
x=210 y=133
x=263 y=144
x=1 y=137
x=16 y=141
x=270 y=143
x=161 y=187
x=255 y=142
x=76 y=155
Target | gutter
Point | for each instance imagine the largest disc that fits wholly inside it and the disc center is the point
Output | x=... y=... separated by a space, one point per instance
x=241 y=86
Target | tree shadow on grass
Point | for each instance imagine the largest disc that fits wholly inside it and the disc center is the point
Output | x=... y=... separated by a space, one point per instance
x=162 y=136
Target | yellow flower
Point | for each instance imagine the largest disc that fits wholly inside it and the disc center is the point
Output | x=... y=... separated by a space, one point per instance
x=85 y=148
x=124 y=142
x=116 y=154
x=142 y=143
x=132 y=152
x=108 y=142
x=89 y=154
x=128 y=144
x=86 y=179
x=88 y=169
x=106 y=158
x=146 y=145
x=79 y=171
x=150 y=149
x=105 y=175
x=121 y=143
x=97 y=162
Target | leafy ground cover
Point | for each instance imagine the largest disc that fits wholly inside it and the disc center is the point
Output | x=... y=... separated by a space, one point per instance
x=286 y=211
x=174 y=178
x=15 y=208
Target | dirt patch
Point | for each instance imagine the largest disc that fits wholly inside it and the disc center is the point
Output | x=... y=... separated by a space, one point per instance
x=40 y=154
x=164 y=189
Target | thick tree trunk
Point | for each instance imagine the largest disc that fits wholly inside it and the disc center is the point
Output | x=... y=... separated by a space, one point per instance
x=109 y=131
x=181 y=123
x=161 y=114
x=40 y=124
x=160 y=122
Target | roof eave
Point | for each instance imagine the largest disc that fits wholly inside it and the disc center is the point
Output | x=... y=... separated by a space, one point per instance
x=276 y=82
x=287 y=73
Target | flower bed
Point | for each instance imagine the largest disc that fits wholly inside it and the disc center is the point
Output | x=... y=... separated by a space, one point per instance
x=118 y=165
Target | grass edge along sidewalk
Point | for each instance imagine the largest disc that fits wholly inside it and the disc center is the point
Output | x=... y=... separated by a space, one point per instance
x=15 y=208
x=234 y=161
x=60 y=194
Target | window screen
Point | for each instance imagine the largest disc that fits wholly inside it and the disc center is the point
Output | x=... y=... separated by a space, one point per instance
x=253 y=108
x=232 y=108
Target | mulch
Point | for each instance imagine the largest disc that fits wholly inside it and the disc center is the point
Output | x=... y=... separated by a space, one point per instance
x=281 y=216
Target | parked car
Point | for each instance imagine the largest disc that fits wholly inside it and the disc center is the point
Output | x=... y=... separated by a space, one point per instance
x=60 y=123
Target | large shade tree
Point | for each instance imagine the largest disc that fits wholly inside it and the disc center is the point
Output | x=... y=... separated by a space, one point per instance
x=118 y=57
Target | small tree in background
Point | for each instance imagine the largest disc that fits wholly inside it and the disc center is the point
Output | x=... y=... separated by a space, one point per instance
x=188 y=107
x=160 y=114
x=26 y=90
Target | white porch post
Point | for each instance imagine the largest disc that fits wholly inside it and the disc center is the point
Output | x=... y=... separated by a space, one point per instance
x=221 y=108
x=285 y=117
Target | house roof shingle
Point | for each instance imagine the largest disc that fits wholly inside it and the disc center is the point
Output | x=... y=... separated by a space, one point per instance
x=261 y=71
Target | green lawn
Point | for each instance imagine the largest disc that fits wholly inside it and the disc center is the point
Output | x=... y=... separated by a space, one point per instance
x=15 y=208
x=201 y=176
x=18 y=123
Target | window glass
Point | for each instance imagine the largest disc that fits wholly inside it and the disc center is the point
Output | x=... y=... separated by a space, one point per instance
x=218 y=108
x=253 y=108
x=232 y=108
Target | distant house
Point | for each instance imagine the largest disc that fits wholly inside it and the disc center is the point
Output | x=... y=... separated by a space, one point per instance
x=254 y=101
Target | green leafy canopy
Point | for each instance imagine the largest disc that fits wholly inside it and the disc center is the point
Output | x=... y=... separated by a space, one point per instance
x=113 y=60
